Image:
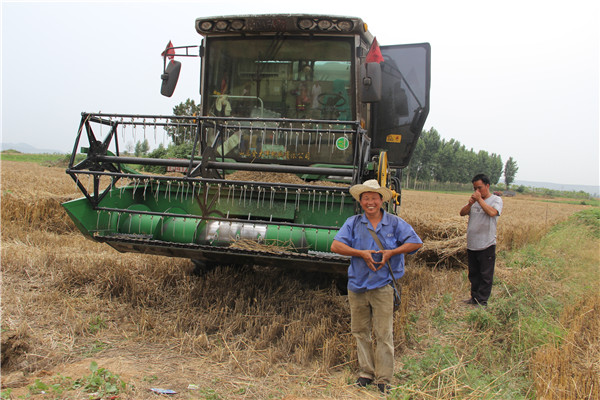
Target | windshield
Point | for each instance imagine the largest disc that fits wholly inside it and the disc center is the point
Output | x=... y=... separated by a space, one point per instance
x=279 y=77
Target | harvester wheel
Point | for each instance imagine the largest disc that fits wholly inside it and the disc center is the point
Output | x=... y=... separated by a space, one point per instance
x=341 y=283
x=382 y=169
x=202 y=267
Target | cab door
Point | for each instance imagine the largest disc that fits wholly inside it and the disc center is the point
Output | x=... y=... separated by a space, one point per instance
x=404 y=106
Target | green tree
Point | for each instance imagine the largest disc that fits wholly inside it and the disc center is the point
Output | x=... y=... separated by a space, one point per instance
x=159 y=152
x=180 y=151
x=510 y=170
x=445 y=161
x=483 y=163
x=141 y=148
x=495 y=168
x=467 y=164
x=424 y=159
x=180 y=134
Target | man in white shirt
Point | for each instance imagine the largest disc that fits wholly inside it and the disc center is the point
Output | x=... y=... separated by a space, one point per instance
x=483 y=210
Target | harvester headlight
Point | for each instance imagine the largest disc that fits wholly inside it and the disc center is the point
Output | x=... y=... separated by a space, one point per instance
x=222 y=25
x=324 y=24
x=206 y=25
x=237 y=24
x=345 y=25
x=305 y=23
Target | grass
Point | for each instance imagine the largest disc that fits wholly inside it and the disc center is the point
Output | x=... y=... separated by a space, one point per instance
x=586 y=202
x=493 y=352
x=258 y=333
x=99 y=383
x=47 y=159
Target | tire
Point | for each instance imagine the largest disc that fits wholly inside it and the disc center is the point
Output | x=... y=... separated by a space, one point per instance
x=202 y=267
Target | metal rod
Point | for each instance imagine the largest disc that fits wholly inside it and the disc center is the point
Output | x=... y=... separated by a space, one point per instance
x=218 y=119
x=280 y=168
x=229 y=165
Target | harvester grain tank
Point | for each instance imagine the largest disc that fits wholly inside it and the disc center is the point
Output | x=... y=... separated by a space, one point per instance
x=308 y=96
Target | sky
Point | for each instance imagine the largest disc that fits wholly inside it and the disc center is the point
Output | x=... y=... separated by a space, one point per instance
x=519 y=78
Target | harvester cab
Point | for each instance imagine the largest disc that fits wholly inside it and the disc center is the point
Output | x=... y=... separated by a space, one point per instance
x=294 y=110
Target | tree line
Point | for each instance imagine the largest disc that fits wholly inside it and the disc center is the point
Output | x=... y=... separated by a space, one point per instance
x=441 y=160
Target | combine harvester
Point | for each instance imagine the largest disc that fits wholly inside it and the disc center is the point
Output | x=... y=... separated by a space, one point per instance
x=311 y=96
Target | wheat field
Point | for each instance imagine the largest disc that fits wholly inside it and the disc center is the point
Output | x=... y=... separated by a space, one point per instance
x=251 y=333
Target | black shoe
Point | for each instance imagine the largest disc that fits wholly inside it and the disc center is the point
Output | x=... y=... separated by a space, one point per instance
x=363 y=382
x=383 y=388
x=474 y=302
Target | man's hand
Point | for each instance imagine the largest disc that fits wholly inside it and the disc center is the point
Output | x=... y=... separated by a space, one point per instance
x=477 y=198
x=367 y=255
x=472 y=200
x=373 y=265
x=386 y=255
x=344 y=249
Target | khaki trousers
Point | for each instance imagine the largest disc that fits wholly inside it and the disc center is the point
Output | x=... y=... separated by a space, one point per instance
x=373 y=311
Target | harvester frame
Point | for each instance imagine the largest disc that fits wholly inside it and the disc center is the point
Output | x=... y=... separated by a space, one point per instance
x=201 y=212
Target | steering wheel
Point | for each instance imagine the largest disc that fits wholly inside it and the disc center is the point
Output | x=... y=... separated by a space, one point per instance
x=331 y=99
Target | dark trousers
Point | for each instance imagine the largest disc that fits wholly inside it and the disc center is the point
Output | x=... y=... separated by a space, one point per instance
x=481 y=273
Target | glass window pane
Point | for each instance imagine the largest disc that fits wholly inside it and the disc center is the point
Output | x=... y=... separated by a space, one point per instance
x=282 y=77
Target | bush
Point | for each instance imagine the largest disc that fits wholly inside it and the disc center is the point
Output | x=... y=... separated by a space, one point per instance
x=181 y=151
x=159 y=152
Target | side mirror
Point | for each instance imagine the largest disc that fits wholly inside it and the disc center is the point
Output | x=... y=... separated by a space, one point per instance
x=169 y=78
x=370 y=82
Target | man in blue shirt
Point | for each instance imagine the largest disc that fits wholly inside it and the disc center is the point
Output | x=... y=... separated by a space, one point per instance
x=370 y=294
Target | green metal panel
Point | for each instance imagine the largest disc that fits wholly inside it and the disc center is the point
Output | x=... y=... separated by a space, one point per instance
x=177 y=213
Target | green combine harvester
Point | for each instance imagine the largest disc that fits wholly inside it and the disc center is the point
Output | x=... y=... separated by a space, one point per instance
x=308 y=96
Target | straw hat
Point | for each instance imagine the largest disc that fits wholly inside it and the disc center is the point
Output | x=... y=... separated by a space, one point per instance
x=370 y=186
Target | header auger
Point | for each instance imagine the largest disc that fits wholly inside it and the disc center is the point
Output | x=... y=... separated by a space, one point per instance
x=290 y=97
